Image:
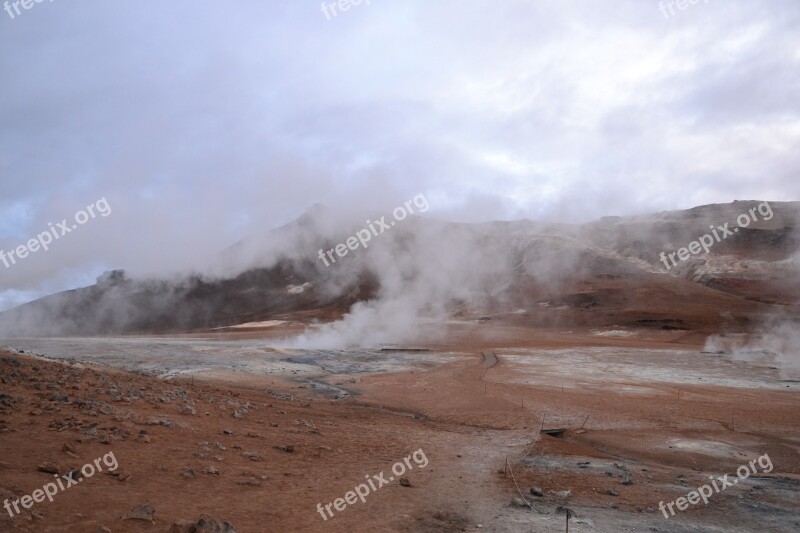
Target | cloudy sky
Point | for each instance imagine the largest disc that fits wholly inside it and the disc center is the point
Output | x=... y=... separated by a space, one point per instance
x=202 y=122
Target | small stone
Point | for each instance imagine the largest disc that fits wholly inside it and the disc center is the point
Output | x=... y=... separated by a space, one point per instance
x=49 y=467
x=612 y=492
x=536 y=491
x=518 y=502
x=206 y=524
x=405 y=482
x=145 y=513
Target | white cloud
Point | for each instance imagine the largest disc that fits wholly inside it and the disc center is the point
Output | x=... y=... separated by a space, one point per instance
x=204 y=123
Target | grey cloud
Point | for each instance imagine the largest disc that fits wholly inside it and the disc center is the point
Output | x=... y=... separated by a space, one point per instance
x=203 y=123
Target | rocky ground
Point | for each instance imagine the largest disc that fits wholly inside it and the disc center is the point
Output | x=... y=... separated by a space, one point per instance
x=248 y=453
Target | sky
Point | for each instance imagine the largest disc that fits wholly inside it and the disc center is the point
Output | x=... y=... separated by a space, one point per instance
x=199 y=123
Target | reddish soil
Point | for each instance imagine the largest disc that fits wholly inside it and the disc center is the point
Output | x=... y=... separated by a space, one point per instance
x=468 y=419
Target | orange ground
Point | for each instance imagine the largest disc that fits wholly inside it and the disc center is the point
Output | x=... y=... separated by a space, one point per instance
x=466 y=417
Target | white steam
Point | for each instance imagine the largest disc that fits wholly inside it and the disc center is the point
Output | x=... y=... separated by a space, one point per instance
x=778 y=345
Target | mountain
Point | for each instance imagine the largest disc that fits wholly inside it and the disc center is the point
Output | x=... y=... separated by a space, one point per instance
x=603 y=273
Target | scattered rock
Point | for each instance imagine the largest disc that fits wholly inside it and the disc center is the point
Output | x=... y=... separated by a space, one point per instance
x=166 y=422
x=49 y=467
x=612 y=492
x=518 y=502
x=536 y=491
x=141 y=512
x=119 y=474
x=405 y=482
x=206 y=524
x=288 y=448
